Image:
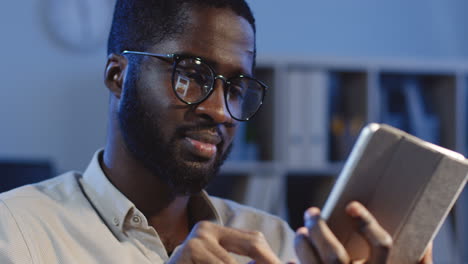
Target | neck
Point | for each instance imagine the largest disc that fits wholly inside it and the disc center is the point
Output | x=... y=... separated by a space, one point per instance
x=172 y=223
x=144 y=189
x=165 y=211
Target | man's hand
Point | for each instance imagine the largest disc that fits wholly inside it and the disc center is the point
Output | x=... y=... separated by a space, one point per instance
x=315 y=243
x=211 y=243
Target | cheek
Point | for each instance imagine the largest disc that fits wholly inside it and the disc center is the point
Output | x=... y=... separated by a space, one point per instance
x=155 y=100
x=157 y=91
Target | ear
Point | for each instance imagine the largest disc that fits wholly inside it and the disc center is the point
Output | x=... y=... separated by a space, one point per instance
x=114 y=74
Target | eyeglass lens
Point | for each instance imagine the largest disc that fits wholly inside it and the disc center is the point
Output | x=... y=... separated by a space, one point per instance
x=193 y=81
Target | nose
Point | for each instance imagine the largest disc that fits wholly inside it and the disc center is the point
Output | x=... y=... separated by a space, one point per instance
x=214 y=107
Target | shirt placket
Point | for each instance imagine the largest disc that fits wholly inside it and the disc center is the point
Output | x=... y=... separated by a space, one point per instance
x=145 y=238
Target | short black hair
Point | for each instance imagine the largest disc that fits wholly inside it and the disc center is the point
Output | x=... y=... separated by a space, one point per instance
x=138 y=24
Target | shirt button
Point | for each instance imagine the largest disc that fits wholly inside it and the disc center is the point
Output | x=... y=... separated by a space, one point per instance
x=116 y=221
x=136 y=219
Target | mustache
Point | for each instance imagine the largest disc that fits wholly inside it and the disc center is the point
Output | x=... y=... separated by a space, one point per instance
x=214 y=128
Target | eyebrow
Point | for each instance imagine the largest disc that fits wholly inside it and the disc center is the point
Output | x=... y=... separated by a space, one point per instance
x=209 y=61
x=213 y=64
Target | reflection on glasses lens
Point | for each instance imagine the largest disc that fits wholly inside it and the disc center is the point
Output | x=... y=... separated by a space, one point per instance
x=192 y=80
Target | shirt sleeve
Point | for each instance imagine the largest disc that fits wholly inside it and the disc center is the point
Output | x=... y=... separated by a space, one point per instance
x=13 y=247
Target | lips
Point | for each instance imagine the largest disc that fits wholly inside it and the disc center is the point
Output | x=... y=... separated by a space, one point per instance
x=202 y=143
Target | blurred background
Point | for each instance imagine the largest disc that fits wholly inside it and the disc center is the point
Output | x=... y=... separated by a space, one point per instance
x=345 y=63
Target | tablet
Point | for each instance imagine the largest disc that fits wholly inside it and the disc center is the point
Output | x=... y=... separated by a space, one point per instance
x=408 y=184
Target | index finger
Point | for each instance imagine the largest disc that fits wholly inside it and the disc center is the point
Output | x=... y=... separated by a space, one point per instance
x=327 y=245
x=376 y=236
x=246 y=243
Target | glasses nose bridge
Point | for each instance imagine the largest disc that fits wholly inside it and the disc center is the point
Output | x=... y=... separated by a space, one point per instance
x=222 y=78
x=217 y=101
x=224 y=82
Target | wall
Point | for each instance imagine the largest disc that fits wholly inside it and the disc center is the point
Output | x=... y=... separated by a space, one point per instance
x=362 y=28
x=53 y=101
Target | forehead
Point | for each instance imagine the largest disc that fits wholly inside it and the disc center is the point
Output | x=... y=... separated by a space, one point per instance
x=217 y=34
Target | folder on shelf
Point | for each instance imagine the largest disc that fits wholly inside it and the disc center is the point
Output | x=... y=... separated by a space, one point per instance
x=422 y=123
x=239 y=145
x=317 y=83
x=295 y=123
x=243 y=149
x=307 y=139
x=393 y=105
x=408 y=184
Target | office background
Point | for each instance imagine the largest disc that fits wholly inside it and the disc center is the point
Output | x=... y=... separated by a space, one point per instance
x=54 y=104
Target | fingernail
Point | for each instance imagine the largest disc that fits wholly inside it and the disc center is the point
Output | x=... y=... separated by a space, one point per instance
x=353 y=209
x=301 y=231
x=311 y=217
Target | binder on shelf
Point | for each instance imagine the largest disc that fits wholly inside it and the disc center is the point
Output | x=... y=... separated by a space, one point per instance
x=422 y=123
x=307 y=131
x=252 y=151
x=393 y=106
x=295 y=123
x=317 y=116
x=337 y=148
x=404 y=105
x=243 y=149
x=344 y=124
x=238 y=144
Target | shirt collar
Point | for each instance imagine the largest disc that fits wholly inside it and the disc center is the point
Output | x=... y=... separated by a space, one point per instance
x=109 y=202
x=202 y=209
x=113 y=206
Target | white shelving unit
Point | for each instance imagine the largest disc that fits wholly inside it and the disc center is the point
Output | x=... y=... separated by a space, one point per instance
x=446 y=82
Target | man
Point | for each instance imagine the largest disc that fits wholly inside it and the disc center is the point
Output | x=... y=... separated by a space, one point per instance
x=180 y=80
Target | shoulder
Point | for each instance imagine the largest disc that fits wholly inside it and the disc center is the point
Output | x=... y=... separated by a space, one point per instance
x=276 y=231
x=60 y=188
x=27 y=210
x=47 y=201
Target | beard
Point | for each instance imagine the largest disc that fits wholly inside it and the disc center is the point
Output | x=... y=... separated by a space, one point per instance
x=143 y=137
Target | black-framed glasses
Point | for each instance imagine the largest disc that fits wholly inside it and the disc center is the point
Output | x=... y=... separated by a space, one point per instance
x=193 y=82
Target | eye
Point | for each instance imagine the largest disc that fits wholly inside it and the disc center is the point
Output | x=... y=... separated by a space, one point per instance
x=194 y=76
x=237 y=91
x=197 y=77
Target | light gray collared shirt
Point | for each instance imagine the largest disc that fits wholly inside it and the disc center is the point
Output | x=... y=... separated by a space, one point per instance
x=83 y=218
